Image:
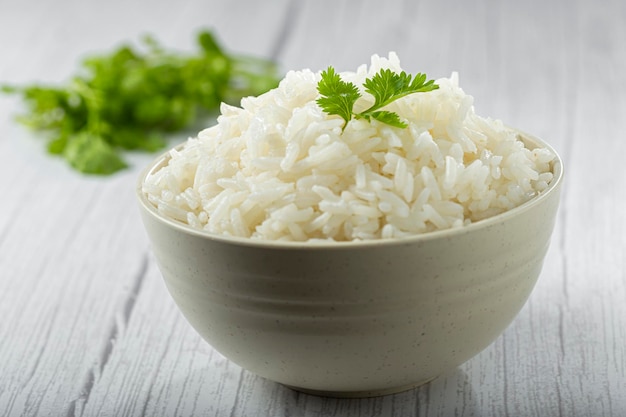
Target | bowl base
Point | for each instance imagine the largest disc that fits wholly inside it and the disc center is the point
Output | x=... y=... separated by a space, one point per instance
x=360 y=394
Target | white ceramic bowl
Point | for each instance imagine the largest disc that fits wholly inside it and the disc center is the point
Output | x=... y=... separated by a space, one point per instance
x=358 y=318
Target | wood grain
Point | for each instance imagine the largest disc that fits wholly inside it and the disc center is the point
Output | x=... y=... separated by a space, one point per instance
x=87 y=327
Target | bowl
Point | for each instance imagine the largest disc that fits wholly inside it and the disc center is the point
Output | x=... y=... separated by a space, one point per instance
x=356 y=319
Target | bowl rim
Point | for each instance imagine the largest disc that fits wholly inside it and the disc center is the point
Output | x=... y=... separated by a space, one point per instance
x=528 y=139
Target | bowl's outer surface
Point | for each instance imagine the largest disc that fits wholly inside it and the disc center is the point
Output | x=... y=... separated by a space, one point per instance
x=356 y=319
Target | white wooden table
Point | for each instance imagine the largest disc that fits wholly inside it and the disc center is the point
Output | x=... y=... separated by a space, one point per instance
x=86 y=325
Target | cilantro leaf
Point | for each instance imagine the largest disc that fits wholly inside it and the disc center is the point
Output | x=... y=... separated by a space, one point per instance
x=338 y=96
x=386 y=86
x=132 y=97
x=386 y=117
x=91 y=154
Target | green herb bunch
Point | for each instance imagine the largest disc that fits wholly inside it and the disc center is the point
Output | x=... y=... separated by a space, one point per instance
x=131 y=98
x=339 y=97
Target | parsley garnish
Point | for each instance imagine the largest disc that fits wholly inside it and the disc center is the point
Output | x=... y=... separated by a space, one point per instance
x=339 y=97
x=131 y=98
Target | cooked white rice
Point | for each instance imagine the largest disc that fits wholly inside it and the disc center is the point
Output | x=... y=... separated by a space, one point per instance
x=279 y=168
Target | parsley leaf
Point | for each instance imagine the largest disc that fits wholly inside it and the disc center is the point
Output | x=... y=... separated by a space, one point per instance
x=132 y=98
x=338 y=96
x=386 y=86
x=383 y=116
x=91 y=154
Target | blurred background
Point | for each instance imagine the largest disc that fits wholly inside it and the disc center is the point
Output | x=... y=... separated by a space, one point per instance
x=485 y=41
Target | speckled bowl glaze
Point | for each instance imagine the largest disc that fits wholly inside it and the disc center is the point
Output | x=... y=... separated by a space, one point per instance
x=356 y=319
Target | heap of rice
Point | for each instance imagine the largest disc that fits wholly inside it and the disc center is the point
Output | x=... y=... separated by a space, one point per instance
x=280 y=168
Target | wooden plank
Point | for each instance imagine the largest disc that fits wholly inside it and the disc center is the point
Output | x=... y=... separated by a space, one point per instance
x=88 y=327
